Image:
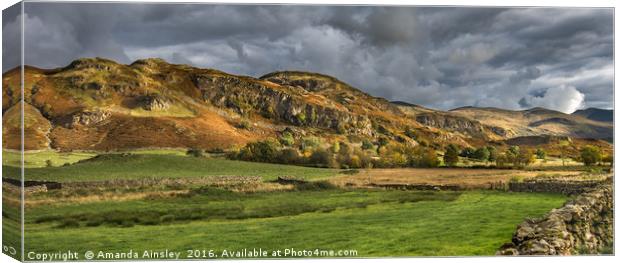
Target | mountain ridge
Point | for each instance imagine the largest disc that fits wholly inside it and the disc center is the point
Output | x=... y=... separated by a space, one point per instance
x=99 y=104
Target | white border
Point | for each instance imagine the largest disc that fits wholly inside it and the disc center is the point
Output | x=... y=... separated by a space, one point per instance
x=510 y=3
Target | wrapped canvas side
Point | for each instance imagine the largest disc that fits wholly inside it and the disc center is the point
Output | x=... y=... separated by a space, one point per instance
x=12 y=132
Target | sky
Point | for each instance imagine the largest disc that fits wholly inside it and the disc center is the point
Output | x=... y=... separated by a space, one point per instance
x=438 y=57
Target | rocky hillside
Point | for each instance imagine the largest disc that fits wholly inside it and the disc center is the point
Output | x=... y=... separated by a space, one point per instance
x=454 y=123
x=98 y=104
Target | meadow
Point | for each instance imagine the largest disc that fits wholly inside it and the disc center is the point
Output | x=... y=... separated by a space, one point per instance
x=145 y=165
x=381 y=223
x=320 y=214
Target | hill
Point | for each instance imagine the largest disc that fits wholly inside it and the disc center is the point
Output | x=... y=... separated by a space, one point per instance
x=99 y=104
x=596 y=114
x=538 y=121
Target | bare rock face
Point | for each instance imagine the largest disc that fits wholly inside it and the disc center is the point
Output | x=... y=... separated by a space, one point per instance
x=244 y=96
x=450 y=123
x=582 y=226
x=154 y=103
x=88 y=118
x=455 y=123
x=307 y=84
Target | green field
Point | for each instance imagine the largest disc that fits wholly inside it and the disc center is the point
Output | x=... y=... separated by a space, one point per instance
x=313 y=216
x=137 y=166
x=39 y=159
x=375 y=223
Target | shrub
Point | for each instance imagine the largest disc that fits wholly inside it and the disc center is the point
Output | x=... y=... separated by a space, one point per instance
x=367 y=144
x=195 y=152
x=451 y=156
x=383 y=141
x=322 y=158
x=410 y=133
x=300 y=118
x=261 y=151
x=290 y=156
x=287 y=139
x=590 y=155
x=336 y=147
x=481 y=154
x=354 y=158
x=541 y=154
x=518 y=157
x=244 y=124
x=492 y=153
x=501 y=160
x=423 y=142
x=310 y=142
x=425 y=157
x=468 y=152
x=341 y=128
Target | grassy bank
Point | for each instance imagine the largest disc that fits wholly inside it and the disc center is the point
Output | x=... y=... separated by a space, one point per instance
x=375 y=223
x=136 y=166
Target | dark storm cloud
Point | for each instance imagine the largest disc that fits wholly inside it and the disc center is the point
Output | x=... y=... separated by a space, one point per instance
x=11 y=37
x=439 y=57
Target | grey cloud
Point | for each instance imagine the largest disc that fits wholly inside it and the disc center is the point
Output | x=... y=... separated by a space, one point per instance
x=442 y=57
x=11 y=37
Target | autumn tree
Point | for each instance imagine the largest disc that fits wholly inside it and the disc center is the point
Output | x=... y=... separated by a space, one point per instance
x=590 y=155
x=451 y=156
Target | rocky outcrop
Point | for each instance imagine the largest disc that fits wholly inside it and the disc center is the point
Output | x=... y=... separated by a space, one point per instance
x=87 y=118
x=499 y=131
x=245 y=96
x=458 y=124
x=154 y=103
x=582 y=226
x=450 y=123
x=313 y=84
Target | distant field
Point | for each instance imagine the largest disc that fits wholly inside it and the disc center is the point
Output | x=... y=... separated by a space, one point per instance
x=136 y=166
x=549 y=162
x=440 y=176
x=36 y=159
x=39 y=159
x=379 y=223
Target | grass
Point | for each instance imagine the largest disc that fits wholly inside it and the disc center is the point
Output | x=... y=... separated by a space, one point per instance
x=315 y=215
x=39 y=159
x=11 y=226
x=137 y=166
x=214 y=203
x=375 y=223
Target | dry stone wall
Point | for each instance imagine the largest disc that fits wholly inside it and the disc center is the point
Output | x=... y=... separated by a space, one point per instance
x=554 y=186
x=583 y=225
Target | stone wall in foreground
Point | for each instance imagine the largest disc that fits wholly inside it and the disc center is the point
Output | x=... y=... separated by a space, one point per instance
x=583 y=225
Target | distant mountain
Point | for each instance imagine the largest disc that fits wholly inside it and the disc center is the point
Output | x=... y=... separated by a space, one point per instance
x=596 y=114
x=538 y=121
